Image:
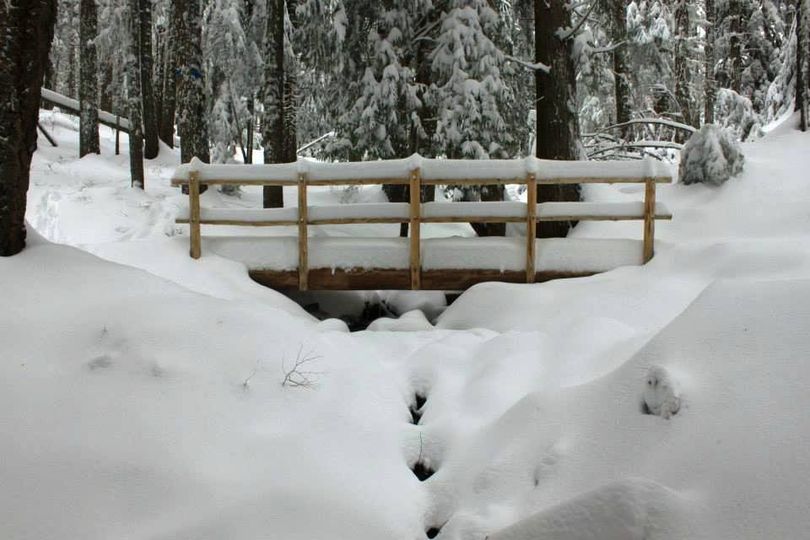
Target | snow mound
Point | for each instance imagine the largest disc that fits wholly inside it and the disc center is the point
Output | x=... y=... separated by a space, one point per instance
x=632 y=509
x=412 y=321
x=661 y=396
x=711 y=157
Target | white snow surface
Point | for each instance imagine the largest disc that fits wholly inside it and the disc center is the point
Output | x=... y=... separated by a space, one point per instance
x=143 y=396
x=430 y=169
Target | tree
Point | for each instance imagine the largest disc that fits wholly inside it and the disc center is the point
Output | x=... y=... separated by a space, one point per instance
x=191 y=122
x=557 y=130
x=802 y=63
x=682 y=73
x=150 y=122
x=276 y=134
x=167 y=78
x=88 y=79
x=622 y=89
x=710 y=83
x=27 y=28
x=134 y=102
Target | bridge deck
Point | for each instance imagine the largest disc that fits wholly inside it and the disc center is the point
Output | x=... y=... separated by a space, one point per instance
x=447 y=263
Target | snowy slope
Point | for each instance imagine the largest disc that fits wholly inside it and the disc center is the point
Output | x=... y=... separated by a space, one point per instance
x=150 y=403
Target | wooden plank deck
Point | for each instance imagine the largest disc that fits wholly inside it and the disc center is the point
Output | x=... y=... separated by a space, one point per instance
x=326 y=279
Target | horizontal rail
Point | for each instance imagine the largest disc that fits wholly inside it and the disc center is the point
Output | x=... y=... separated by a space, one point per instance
x=71 y=105
x=414 y=213
x=178 y=182
x=438 y=213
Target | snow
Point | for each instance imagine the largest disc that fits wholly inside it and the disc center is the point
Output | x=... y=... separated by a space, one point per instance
x=474 y=209
x=430 y=170
x=73 y=105
x=142 y=395
x=571 y=255
x=599 y=210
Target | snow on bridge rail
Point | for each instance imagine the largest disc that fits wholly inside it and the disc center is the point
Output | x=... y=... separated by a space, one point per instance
x=446 y=263
x=71 y=105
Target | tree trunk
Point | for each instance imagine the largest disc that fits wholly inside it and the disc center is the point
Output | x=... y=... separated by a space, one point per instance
x=682 y=72
x=735 y=45
x=168 y=100
x=191 y=121
x=150 y=125
x=802 y=64
x=134 y=100
x=557 y=131
x=249 y=129
x=621 y=68
x=27 y=30
x=88 y=79
x=273 y=123
x=106 y=98
x=710 y=94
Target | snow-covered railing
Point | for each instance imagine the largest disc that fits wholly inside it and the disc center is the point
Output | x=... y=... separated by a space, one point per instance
x=417 y=172
x=69 y=104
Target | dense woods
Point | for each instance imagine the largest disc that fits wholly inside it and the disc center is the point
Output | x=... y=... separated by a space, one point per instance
x=364 y=79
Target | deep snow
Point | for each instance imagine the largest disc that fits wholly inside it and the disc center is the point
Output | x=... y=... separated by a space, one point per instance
x=145 y=400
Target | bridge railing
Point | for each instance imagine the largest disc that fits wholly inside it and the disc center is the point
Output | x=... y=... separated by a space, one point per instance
x=417 y=172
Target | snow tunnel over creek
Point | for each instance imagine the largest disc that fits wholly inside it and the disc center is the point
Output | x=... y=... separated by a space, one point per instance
x=376 y=310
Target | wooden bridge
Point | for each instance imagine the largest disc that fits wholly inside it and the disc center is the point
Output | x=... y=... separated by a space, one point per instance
x=301 y=261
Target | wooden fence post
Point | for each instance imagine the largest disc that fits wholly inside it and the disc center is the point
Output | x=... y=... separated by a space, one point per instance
x=117 y=134
x=303 y=234
x=531 y=225
x=649 y=219
x=194 y=214
x=415 y=222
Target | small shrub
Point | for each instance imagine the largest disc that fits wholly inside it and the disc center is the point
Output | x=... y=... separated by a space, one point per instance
x=710 y=157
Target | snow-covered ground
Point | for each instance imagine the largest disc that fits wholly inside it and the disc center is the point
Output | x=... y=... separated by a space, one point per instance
x=165 y=398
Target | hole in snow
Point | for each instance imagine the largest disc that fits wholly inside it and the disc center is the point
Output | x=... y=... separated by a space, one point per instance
x=358 y=309
x=422 y=472
x=416 y=408
x=433 y=532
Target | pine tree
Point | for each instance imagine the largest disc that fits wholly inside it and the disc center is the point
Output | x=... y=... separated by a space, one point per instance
x=275 y=135
x=191 y=111
x=623 y=97
x=134 y=102
x=27 y=28
x=710 y=83
x=150 y=122
x=682 y=71
x=167 y=78
x=88 y=79
x=557 y=127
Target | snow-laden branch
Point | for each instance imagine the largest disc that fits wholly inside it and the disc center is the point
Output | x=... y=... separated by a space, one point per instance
x=576 y=28
x=534 y=66
x=657 y=121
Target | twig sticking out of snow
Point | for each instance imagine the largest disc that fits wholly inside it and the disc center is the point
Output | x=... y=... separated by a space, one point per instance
x=296 y=377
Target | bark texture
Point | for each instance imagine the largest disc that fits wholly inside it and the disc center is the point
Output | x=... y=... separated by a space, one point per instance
x=168 y=91
x=26 y=31
x=134 y=101
x=710 y=84
x=557 y=130
x=682 y=71
x=88 y=79
x=191 y=120
x=276 y=123
x=150 y=123
x=622 y=90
